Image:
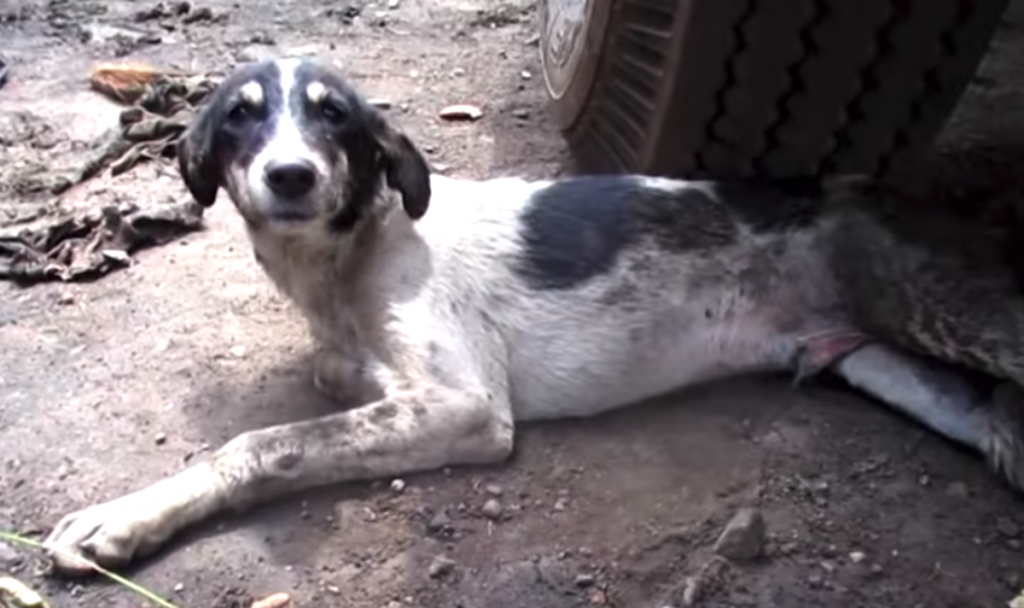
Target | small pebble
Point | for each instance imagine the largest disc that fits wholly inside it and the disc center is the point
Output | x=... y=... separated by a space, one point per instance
x=238 y=351
x=957 y=489
x=743 y=537
x=815 y=580
x=66 y=299
x=381 y=104
x=521 y=113
x=526 y=75
x=492 y=509
x=494 y=489
x=441 y=566
x=397 y=486
x=461 y=112
x=440 y=522
x=857 y=557
x=8 y=556
x=178 y=588
x=584 y=580
x=559 y=505
x=1007 y=527
x=925 y=481
x=262 y=38
x=393 y=4
x=160 y=438
x=204 y=13
x=692 y=590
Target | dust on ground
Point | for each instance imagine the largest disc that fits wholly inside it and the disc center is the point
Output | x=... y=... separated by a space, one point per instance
x=108 y=386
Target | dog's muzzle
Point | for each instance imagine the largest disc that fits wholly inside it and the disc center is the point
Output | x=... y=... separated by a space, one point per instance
x=290 y=178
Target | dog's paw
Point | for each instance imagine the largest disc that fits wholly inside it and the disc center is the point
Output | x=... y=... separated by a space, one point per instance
x=109 y=534
x=1005 y=445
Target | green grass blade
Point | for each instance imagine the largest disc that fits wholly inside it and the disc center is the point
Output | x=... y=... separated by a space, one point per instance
x=120 y=580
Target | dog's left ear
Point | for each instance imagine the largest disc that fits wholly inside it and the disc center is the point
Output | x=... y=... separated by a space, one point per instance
x=196 y=163
x=406 y=169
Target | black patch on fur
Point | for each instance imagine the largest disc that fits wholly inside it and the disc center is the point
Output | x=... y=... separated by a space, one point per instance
x=215 y=138
x=772 y=205
x=351 y=136
x=576 y=228
x=373 y=150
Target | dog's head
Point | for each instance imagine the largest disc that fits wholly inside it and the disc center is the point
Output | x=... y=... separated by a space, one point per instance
x=293 y=144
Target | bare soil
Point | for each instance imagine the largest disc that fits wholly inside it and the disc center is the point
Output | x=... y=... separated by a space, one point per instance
x=107 y=386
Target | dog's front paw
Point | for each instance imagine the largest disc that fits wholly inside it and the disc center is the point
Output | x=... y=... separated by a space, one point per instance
x=110 y=534
x=1005 y=446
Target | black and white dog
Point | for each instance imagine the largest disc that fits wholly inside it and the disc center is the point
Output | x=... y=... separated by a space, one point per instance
x=523 y=300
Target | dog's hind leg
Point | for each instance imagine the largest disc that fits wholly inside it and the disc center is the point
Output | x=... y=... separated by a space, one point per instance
x=939 y=292
x=944 y=298
x=944 y=401
x=415 y=431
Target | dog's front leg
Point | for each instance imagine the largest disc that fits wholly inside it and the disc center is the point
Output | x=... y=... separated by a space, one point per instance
x=400 y=434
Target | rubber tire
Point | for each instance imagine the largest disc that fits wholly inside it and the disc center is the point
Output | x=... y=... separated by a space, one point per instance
x=773 y=88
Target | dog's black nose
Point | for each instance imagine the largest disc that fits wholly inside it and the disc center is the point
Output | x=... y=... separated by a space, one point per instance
x=290 y=178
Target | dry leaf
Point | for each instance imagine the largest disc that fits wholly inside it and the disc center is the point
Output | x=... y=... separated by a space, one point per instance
x=20 y=594
x=278 y=600
x=123 y=82
x=461 y=112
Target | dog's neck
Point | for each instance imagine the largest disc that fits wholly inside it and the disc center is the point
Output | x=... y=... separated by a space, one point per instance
x=354 y=263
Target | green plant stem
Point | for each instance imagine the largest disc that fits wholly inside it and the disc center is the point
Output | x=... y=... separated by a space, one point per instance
x=135 y=587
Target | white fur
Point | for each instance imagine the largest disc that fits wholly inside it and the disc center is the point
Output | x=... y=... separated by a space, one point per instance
x=286 y=143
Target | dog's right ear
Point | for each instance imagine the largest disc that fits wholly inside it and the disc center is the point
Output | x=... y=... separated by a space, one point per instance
x=196 y=163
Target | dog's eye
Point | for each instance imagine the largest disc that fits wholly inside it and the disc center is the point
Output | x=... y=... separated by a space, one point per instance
x=332 y=111
x=238 y=112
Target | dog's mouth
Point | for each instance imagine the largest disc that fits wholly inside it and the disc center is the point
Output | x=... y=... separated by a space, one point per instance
x=290 y=214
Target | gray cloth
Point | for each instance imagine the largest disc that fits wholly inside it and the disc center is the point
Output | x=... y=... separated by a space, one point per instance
x=45 y=243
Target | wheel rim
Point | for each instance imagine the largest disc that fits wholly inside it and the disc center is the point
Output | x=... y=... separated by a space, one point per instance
x=563 y=40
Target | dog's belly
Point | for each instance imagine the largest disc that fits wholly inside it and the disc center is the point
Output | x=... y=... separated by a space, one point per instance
x=604 y=365
x=684 y=320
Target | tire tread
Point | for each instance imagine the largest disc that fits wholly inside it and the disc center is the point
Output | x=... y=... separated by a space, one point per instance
x=777 y=88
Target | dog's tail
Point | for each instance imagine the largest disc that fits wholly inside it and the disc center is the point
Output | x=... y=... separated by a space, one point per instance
x=923 y=280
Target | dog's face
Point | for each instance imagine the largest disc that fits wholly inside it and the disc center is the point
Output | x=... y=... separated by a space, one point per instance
x=294 y=145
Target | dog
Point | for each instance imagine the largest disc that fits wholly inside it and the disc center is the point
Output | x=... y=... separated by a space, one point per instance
x=515 y=300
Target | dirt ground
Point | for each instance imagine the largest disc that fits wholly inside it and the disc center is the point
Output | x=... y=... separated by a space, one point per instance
x=107 y=386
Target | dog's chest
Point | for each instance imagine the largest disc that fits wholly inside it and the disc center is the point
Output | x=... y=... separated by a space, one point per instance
x=313 y=280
